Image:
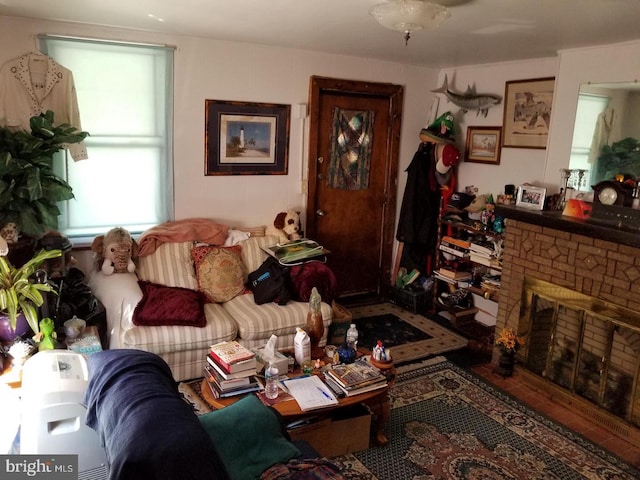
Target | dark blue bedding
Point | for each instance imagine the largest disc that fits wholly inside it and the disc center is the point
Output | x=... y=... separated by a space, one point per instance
x=147 y=430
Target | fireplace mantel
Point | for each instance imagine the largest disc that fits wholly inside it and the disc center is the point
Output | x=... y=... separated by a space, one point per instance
x=555 y=220
x=594 y=260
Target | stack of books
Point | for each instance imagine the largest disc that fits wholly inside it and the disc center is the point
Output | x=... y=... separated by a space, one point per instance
x=231 y=370
x=450 y=275
x=354 y=378
x=484 y=253
x=455 y=246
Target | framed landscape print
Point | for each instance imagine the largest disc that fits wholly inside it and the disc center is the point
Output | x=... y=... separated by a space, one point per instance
x=527 y=111
x=243 y=138
x=483 y=145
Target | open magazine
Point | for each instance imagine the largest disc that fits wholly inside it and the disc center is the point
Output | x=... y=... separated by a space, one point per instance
x=296 y=251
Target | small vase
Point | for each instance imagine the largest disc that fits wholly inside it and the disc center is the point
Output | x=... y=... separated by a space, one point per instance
x=506 y=361
x=315 y=330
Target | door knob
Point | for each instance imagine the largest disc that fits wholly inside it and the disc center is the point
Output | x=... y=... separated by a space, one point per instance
x=320 y=212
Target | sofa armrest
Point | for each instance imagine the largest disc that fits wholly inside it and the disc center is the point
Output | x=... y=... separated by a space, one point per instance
x=148 y=431
x=119 y=293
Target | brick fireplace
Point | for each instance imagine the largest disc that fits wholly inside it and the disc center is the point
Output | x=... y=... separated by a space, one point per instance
x=572 y=289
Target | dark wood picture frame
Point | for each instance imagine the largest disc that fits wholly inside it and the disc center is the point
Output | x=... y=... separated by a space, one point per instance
x=483 y=145
x=246 y=138
x=527 y=111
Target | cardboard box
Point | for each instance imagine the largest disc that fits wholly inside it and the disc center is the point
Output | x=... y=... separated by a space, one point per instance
x=346 y=430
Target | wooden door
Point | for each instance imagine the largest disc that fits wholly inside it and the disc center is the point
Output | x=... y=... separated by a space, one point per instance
x=357 y=225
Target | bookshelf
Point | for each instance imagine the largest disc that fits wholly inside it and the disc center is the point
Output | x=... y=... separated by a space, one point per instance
x=467 y=257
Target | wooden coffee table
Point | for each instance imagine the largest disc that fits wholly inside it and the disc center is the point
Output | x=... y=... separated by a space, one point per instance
x=377 y=401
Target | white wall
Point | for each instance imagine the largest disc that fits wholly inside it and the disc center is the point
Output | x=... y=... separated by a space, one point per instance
x=210 y=69
x=517 y=165
x=606 y=63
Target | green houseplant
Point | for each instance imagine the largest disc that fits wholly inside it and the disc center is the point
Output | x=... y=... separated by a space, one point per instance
x=29 y=187
x=19 y=292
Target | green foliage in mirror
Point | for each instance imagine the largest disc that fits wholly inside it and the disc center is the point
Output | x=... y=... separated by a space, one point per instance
x=621 y=157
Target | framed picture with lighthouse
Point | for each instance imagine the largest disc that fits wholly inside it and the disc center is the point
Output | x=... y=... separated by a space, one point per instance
x=246 y=138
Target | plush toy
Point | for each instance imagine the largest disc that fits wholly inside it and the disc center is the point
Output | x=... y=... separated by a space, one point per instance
x=48 y=335
x=286 y=226
x=115 y=251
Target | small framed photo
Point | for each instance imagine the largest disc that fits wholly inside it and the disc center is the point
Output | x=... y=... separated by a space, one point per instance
x=245 y=138
x=483 y=145
x=527 y=112
x=531 y=197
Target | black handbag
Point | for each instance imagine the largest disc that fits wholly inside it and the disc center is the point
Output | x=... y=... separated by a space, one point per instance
x=270 y=282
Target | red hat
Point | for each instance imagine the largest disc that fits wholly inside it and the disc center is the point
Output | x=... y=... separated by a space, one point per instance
x=449 y=158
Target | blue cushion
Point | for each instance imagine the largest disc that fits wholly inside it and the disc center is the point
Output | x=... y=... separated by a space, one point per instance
x=248 y=438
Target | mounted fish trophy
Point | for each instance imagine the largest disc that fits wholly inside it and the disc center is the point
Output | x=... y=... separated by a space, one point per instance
x=469 y=100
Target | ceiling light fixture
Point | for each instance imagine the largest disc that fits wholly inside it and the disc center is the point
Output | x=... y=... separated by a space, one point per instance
x=409 y=15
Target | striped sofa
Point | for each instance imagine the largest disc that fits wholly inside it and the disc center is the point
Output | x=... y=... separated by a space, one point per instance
x=184 y=348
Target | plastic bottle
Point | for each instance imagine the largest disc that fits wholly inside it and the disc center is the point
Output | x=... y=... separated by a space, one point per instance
x=271 y=381
x=302 y=346
x=352 y=337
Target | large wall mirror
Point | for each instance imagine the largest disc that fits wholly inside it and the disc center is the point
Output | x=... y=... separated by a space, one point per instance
x=606 y=135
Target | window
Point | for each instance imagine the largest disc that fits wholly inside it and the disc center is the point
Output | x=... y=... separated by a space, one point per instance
x=125 y=97
x=590 y=107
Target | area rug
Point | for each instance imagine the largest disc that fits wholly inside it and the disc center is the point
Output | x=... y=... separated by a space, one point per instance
x=409 y=336
x=448 y=424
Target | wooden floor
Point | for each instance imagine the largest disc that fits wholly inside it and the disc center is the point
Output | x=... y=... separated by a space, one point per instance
x=540 y=402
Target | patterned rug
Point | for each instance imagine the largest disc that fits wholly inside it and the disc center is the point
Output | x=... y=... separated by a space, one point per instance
x=410 y=336
x=447 y=424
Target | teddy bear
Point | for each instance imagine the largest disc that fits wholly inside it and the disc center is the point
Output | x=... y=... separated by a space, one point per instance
x=115 y=251
x=286 y=226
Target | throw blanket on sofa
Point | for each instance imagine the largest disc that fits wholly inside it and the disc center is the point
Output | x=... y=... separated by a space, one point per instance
x=189 y=229
x=147 y=430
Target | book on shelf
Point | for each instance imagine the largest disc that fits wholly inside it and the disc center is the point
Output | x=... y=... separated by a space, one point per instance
x=453 y=251
x=354 y=374
x=464 y=244
x=438 y=276
x=311 y=393
x=455 y=274
x=231 y=375
x=486 y=261
x=296 y=251
x=232 y=356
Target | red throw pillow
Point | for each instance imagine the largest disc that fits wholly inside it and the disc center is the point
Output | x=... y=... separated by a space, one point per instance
x=162 y=305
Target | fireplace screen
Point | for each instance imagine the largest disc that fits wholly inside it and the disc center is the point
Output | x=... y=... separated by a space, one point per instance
x=584 y=345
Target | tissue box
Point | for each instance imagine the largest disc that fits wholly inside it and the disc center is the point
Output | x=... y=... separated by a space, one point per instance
x=280 y=360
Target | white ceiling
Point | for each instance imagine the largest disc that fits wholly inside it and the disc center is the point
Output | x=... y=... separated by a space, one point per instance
x=478 y=31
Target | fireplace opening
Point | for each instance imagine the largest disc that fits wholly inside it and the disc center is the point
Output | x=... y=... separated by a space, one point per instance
x=588 y=347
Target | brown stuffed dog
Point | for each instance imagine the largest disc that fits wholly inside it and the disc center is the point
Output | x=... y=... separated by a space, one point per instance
x=115 y=251
x=286 y=226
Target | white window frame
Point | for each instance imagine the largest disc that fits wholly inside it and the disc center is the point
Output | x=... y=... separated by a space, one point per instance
x=139 y=212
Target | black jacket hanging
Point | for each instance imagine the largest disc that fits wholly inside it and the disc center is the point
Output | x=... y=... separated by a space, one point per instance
x=421 y=201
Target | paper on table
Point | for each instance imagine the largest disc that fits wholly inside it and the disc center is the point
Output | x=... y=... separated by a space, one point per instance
x=311 y=393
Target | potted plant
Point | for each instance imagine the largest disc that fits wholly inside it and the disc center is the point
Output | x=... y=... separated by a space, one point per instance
x=29 y=187
x=20 y=293
x=508 y=342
